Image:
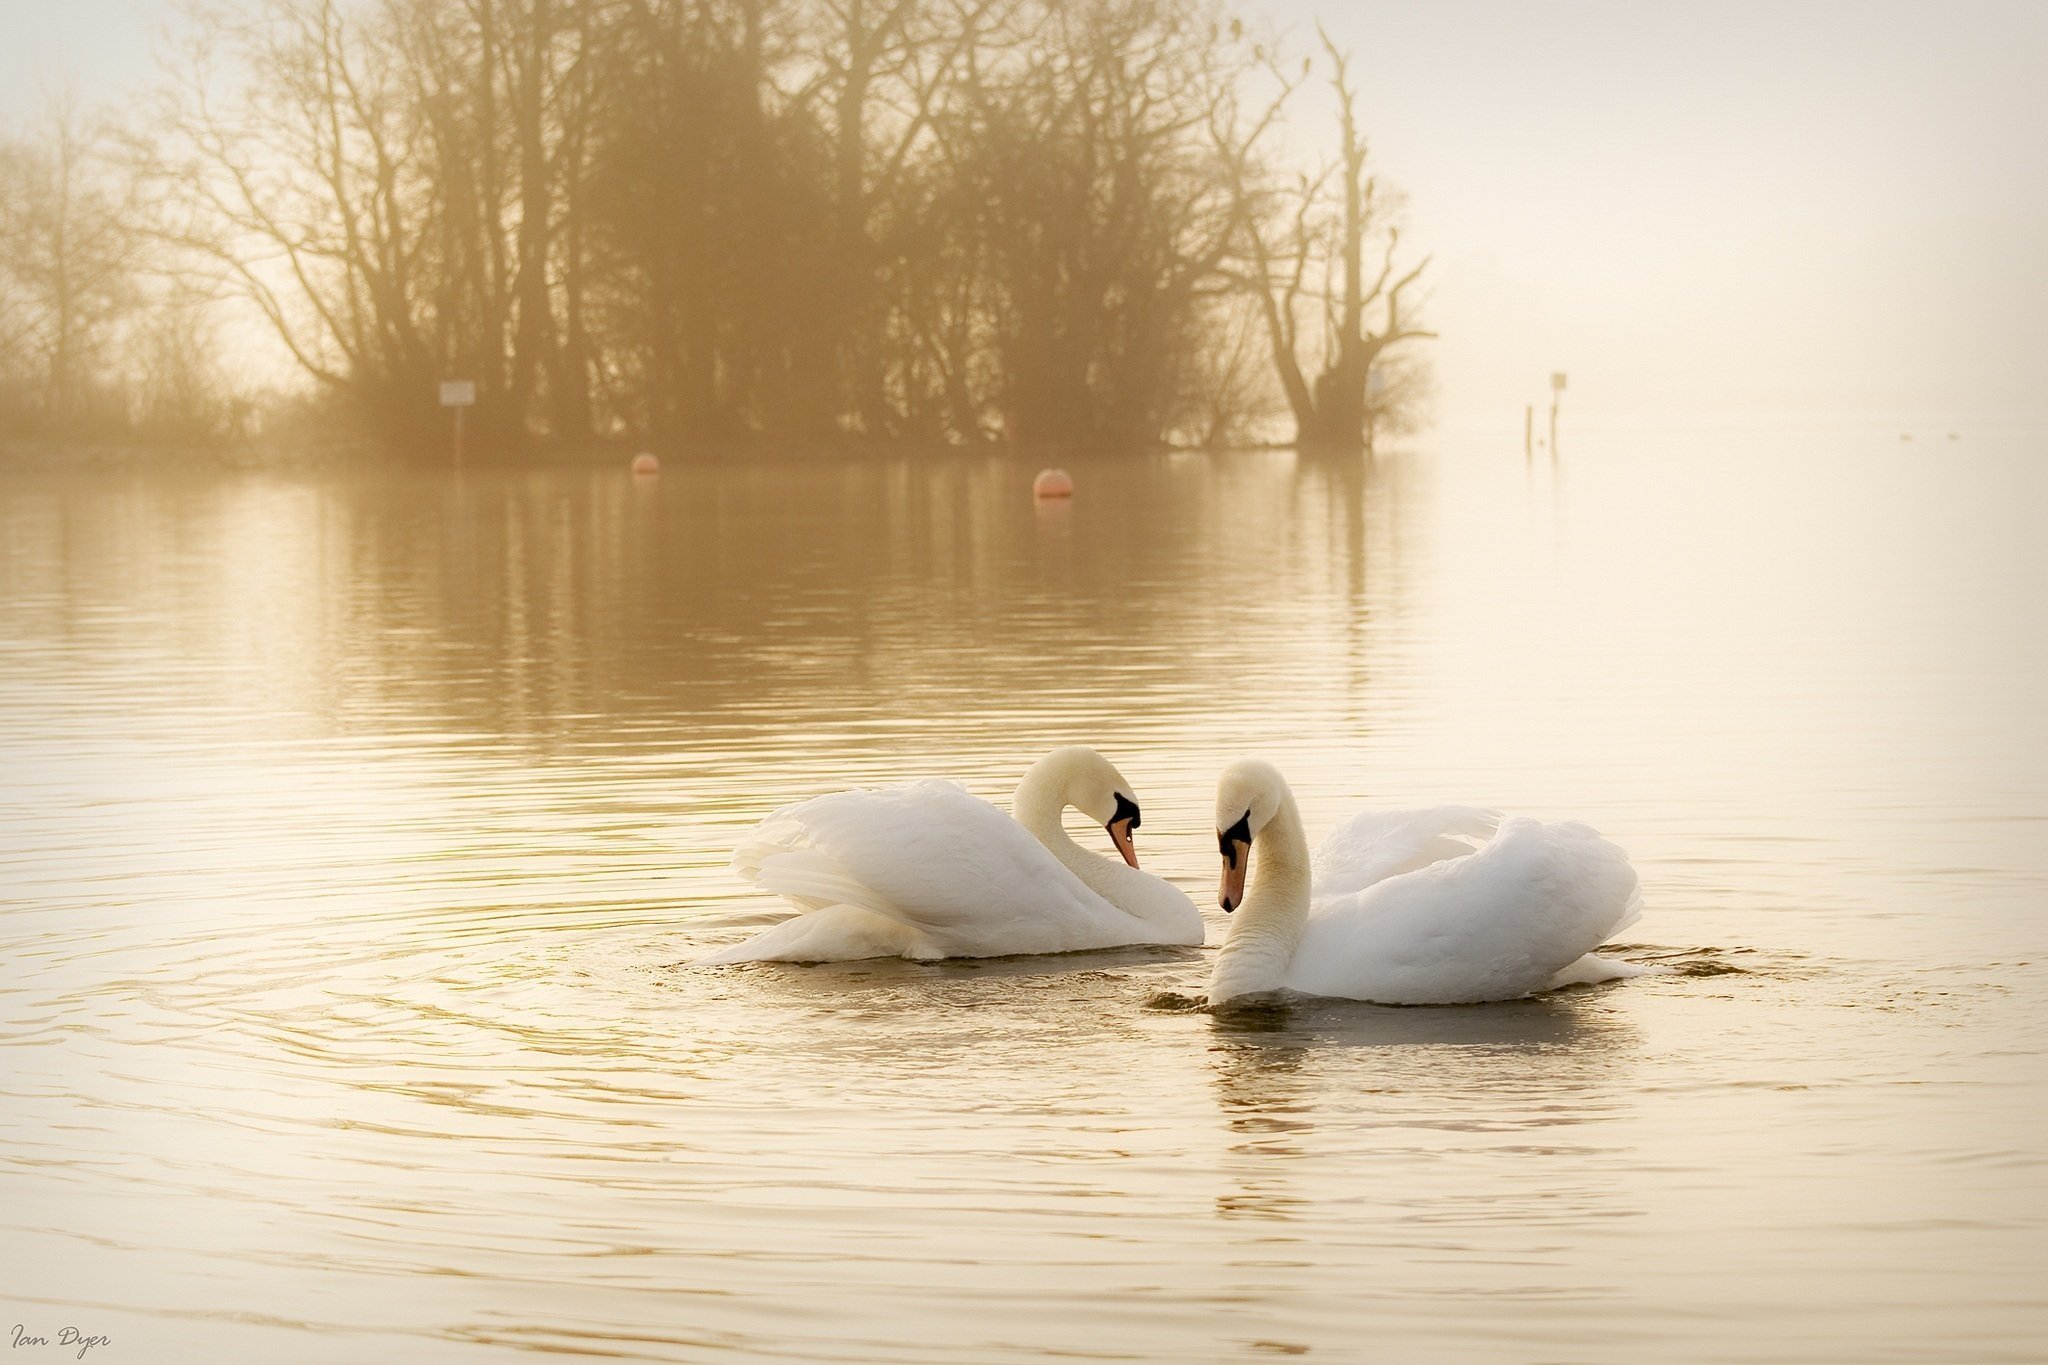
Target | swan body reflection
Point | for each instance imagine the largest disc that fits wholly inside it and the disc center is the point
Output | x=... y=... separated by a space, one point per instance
x=925 y=870
x=1449 y=905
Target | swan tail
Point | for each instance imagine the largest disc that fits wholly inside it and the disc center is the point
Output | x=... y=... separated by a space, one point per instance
x=1597 y=877
x=877 y=873
x=811 y=880
x=833 y=933
x=777 y=834
x=1631 y=912
x=794 y=854
x=786 y=858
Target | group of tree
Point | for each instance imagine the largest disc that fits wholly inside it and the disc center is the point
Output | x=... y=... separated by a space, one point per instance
x=721 y=225
x=93 y=343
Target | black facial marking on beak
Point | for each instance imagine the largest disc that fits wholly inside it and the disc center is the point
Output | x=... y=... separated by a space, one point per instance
x=1120 y=827
x=1229 y=839
x=1126 y=809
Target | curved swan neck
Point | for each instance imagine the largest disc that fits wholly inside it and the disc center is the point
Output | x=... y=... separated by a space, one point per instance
x=1040 y=802
x=1267 y=928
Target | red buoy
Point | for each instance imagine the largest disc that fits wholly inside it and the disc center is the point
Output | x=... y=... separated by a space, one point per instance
x=1052 y=483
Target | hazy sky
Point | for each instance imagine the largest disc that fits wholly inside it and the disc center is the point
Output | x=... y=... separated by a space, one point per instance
x=1817 y=207
x=1803 y=207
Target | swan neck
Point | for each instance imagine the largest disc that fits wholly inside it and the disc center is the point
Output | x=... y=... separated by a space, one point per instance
x=1039 y=802
x=1267 y=928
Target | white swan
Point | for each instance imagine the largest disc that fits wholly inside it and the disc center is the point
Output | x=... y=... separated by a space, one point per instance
x=925 y=870
x=1421 y=907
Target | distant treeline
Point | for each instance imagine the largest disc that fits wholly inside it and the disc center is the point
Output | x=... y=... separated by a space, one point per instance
x=713 y=224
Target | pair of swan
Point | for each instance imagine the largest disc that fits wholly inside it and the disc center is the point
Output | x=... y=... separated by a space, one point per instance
x=1449 y=905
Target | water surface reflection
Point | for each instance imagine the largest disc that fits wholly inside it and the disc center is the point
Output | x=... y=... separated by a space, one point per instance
x=360 y=832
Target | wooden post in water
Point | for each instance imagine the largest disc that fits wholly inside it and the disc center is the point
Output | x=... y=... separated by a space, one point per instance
x=1556 y=388
x=1528 y=432
x=459 y=394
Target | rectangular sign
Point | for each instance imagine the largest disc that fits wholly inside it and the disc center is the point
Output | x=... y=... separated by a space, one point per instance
x=1556 y=382
x=458 y=393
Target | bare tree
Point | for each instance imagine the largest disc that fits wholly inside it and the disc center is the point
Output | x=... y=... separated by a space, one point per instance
x=1230 y=392
x=297 y=191
x=879 y=74
x=69 y=257
x=178 y=391
x=1304 y=247
x=729 y=222
x=1080 y=160
x=383 y=187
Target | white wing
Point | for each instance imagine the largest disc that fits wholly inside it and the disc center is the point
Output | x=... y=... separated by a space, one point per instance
x=1493 y=924
x=1374 y=845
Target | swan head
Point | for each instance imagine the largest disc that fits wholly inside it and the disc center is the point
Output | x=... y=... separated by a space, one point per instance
x=1248 y=795
x=1082 y=778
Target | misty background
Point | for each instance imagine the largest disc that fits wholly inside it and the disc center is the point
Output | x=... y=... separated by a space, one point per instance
x=1815 y=212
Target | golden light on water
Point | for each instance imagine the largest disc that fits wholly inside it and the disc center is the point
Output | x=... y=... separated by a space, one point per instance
x=353 y=903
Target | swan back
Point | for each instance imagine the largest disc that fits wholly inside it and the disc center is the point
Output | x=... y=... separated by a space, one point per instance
x=1493 y=924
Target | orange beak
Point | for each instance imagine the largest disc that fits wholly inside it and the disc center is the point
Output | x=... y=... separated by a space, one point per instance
x=1120 y=835
x=1237 y=858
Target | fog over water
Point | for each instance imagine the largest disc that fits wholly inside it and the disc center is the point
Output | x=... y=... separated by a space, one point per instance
x=362 y=830
x=1809 y=208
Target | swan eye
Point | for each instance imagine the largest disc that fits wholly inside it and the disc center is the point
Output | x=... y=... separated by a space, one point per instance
x=1126 y=809
x=1229 y=839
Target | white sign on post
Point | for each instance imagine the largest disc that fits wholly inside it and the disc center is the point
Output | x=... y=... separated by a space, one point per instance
x=459 y=394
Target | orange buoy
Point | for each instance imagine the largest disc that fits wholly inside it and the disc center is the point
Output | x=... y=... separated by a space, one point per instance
x=1052 y=483
x=645 y=463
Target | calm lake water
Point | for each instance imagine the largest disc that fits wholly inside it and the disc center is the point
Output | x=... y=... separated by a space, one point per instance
x=360 y=832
